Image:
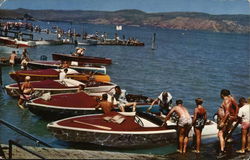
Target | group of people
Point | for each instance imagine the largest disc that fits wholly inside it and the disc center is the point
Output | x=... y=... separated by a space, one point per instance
x=24 y=59
x=229 y=114
x=79 y=51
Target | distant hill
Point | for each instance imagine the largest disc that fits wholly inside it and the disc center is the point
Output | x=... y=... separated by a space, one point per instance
x=172 y=20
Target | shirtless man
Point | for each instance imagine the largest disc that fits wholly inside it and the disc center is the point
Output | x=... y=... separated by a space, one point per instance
x=12 y=58
x=230 y=107
x=105 y=104
x=26 y=90
x=184 y=124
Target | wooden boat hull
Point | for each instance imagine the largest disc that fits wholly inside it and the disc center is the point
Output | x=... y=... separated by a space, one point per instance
x=135 y=136
x=54 y=86
x=39 y=75
x=127 y=134
x=114 y=140
x=85 y=59
x=56 y=65
x=70 y=104
x=49 y=42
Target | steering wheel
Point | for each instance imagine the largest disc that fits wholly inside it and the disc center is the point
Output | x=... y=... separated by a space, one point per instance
x=139 y=121
x=64 y=83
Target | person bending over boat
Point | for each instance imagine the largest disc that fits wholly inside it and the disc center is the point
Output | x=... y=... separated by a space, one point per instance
x=230 y=109
x=26 y=91
x=122 y=102
x=244 y=115
x=164 y=101
x=105 y=105
x=184 y=124
x=199 y=121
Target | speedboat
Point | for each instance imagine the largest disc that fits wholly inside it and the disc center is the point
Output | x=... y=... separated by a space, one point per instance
x=64 y=105
x=84 y=59
x=53 y=74
x=60 y=86
x=73 y=64
x=48 y=42
x=120 y=130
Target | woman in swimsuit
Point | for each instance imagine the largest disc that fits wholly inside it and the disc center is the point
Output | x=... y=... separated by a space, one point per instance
x=199 y=121
x=26 y=90
x=184 y=124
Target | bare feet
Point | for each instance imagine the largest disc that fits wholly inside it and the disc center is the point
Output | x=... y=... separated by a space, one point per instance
x=21 y=106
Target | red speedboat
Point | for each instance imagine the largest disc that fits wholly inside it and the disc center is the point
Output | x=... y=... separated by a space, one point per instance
x=84 y=59
x=61 y=86
x=72 y=104
x=120 y=130
x=53 y=74
x=73 y=65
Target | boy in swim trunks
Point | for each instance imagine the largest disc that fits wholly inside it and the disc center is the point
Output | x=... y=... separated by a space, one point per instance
x=230 y=108
x=184 y=124
x=105 y=105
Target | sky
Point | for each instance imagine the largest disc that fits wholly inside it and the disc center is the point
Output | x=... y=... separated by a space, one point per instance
x=150 y=6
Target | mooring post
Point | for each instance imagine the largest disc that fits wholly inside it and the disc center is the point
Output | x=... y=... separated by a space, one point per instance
x=1 y=81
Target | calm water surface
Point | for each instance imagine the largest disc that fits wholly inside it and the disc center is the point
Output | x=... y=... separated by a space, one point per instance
x=189 y=64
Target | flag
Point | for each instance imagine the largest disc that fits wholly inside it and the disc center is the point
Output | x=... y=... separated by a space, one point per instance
x=118 y=28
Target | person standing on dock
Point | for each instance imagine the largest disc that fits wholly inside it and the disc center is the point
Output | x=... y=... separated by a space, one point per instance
x=184 y=124
x=244 y=115
x=164 y=101
x=199 y=121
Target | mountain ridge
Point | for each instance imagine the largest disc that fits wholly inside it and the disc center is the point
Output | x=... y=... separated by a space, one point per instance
x=172 y=20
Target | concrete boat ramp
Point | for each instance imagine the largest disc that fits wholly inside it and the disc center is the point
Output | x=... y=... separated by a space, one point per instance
x=55 y=153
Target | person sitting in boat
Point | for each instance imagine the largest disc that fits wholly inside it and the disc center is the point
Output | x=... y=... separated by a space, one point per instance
x=79 y=51
x=64 y=64
x=81 y=88
x=62 y=74
x=12 y=58
x=164 y=101
x=184 y=124
x=122 y=102
x=199 y=121
x=26 y=91
x=24 y=63
x=105 y=105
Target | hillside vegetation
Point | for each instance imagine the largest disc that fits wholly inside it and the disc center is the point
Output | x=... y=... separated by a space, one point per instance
x=172 y=20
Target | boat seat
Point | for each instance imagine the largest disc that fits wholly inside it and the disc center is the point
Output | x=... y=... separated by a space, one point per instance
x=150 y=117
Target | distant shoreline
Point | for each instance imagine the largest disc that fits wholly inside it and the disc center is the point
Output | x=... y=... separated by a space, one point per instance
x=169 y=20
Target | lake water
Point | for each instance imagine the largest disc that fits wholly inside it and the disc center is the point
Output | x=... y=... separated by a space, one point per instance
x=188 y=64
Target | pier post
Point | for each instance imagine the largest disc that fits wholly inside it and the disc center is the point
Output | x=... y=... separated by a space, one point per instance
x=1 y=81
